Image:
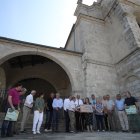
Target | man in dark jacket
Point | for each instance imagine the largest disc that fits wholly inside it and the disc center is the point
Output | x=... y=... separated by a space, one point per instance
x=49 y=113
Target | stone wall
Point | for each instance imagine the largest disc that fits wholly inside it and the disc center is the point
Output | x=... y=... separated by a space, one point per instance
x=74 y=42
x=123 y=31
x=128 y=72
x=95 y=43
x=68 y=60
x=119 y=46
x=105 y=42
x=70 y=45
x=125 y=43
x=99 y=71
x=100 y=80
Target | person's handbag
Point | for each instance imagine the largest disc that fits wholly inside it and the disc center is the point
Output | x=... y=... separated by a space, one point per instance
x=131 y=109
x=11 y=115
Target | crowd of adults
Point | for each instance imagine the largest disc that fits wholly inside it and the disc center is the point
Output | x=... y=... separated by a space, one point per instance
x=104 y=115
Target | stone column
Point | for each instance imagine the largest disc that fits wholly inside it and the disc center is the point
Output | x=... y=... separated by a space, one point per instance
x=2 y=79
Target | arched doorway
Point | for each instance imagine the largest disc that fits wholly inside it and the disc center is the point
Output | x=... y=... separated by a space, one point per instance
x=39 y=72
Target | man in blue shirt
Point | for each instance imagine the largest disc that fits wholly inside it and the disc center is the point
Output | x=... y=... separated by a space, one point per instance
x=57 y=109
x=121 y=113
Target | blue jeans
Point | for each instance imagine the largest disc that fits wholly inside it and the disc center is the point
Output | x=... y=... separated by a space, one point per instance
x=7 y=126
x=6 y=129
x=99 y=119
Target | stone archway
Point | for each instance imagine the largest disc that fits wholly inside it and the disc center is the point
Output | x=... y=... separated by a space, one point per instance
x=36 y=66
x=11 y=55
x=69 y=61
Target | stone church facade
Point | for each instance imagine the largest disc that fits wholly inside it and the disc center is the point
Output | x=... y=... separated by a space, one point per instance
x=101 y=55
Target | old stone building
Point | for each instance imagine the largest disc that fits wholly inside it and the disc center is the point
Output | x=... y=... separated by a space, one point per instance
x=101 y=55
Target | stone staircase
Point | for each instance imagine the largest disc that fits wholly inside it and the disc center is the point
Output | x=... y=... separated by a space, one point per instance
x=29 y=123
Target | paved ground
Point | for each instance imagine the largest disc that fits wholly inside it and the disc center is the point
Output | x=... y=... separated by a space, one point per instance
x=78 y=136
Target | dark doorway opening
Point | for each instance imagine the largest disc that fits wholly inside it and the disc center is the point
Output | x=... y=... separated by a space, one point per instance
x=40 y=85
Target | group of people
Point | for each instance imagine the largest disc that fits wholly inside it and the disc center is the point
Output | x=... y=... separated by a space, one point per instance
x=10 y=127
x=105 y=116
x=102 y=117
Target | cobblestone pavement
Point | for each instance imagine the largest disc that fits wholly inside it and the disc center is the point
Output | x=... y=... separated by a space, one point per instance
x=77 y=136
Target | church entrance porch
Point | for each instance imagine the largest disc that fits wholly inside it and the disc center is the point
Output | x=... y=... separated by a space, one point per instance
x=35 y=73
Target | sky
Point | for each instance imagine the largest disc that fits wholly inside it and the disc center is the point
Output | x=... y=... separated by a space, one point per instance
x=46 y=22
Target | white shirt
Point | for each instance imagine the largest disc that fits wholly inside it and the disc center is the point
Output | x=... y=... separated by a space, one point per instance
x=72 y=106
x=110 y=104
x=78 y=102
x=29 y=101
x=66 y=103
x=57 y=103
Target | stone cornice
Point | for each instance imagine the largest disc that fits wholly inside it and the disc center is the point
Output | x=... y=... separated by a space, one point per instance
x=98 y=63
x=89 y=19
x=38 y=46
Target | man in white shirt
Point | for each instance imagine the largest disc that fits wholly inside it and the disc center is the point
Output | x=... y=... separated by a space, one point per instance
x=71 y=111
x=26 y=109
x=67 y=119
x=57 y=108
x=78 y=102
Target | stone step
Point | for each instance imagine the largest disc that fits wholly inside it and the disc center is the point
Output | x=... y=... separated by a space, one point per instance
x=29 y=124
